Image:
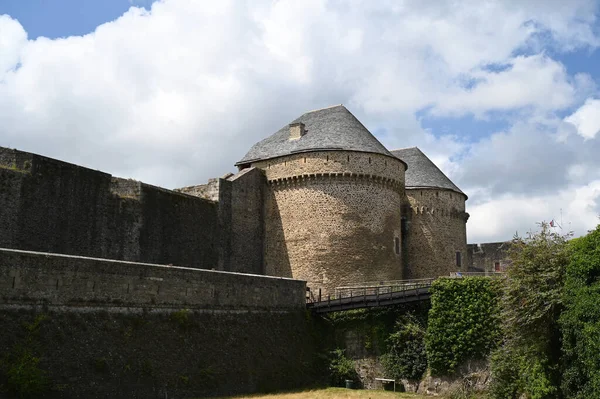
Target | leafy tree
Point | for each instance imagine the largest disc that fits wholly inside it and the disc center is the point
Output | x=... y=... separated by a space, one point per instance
x=580 y=321
x=527 y=360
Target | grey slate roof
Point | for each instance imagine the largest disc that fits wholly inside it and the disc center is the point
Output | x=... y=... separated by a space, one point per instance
x=333 y=128
x=422 y=172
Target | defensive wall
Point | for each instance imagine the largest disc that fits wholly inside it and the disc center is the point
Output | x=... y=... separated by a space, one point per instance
x=48 y=205
x=103 y=328
x=436 y=225
x=332 y=218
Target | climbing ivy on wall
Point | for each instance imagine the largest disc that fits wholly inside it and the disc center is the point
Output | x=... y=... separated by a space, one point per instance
x=463 y=322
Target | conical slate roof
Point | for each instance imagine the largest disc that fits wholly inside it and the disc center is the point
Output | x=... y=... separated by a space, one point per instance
x=422 y=172
x=333 y=128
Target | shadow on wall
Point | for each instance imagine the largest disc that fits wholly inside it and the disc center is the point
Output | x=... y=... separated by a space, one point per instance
x=276 y=259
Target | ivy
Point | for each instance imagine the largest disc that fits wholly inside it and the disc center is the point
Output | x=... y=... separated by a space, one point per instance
x=463 y=322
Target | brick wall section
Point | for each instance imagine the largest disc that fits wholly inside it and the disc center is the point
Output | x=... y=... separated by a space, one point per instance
x=483 y=257
x=52 y=206
x=32 y=277
x=436 y=231
x=331 y=218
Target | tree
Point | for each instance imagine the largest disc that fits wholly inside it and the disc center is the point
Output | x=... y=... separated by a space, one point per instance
x=528 y=357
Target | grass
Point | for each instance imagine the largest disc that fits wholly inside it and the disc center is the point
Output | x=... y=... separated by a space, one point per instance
x=335 y=393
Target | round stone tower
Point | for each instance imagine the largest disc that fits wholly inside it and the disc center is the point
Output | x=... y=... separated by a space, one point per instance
x=332 y=210
x=435 y=221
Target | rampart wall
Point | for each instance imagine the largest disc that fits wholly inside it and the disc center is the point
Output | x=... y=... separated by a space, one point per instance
x=436 y=225
x=62 y=280
x=115 y=329
x=52 y=206
x=333 y=218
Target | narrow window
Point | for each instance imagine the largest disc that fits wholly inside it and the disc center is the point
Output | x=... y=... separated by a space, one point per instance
x=369 y=159
x=497 y=266
x=327 y=158
x=385 y=163
x=458 y=259
x=397 y=245
x=348 y=158
x=304 y=159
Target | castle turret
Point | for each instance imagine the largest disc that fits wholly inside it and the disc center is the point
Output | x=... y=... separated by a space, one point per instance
x=332 y=210
x=434 y=219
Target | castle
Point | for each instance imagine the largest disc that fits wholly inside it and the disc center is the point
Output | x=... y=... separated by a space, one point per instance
x=320 y=200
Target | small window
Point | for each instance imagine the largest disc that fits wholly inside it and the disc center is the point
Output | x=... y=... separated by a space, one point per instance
x=497 y=266
x=458 y=259
x=397 y=245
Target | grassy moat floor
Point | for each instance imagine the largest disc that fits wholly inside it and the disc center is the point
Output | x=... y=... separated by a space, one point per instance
x=336 y=393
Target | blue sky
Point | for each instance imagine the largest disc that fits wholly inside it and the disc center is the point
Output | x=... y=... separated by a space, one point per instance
x=503 y=96
x=60 y=18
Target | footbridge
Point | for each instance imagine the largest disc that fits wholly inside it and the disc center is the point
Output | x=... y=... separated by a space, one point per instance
x=376 y=294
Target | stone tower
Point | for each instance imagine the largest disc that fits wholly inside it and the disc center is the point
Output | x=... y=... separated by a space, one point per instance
x=434 y=219
x=332 y=207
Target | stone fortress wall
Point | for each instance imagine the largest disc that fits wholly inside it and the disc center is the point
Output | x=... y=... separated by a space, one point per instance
x=332 y=218
x=72 y=281
x=436 y=224
x=52 y=206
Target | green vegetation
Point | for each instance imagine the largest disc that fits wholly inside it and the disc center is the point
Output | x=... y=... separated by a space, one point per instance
x=341 y=368
x=463 y=322
x=406 y=356
x=580 y=320
x=526 y=362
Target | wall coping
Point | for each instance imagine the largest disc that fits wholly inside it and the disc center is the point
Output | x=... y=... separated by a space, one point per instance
x=164 y=267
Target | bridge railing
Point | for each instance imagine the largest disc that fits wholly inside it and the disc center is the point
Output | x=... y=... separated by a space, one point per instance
x=476 y=274
x=380 y=288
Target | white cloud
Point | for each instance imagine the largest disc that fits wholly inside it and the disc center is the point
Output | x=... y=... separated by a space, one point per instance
x=177 y=94
x=500 y=218
x=535 y=81
x=12 y=39
x=587 y=119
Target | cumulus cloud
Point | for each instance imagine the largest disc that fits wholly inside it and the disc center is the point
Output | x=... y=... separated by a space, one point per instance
x=176 y=94
x=587 y=119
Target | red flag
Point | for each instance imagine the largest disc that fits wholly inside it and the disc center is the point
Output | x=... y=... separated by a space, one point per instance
x=552 y=223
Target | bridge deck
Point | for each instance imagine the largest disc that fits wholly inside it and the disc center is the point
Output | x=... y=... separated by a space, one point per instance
x=371 y=300
x=385 y=294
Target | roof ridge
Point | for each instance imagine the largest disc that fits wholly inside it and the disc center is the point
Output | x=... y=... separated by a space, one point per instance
x=321 y=109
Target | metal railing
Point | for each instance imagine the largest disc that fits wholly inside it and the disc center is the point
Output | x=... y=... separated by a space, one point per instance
x=476 y=274
x=381 y=288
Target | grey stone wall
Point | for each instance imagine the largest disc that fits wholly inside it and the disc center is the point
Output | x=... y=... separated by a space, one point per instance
x=52 y=206
x=332 y=218
x=436 y=231
x=485 y=257
x=63 y=280
x=115 y=329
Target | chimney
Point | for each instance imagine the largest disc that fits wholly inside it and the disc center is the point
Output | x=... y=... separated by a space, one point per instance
x=297 y=130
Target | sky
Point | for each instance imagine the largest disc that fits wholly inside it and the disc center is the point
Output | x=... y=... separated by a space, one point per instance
x=501 y=95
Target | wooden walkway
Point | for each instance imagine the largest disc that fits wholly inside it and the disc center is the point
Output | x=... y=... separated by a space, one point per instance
x=371 y=295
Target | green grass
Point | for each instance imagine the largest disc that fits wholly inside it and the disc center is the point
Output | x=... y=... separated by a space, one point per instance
x=335 y=393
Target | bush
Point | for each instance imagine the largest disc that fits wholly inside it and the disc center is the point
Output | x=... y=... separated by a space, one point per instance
x=463 y=322
x=406 y=357
x=341 y=368
x=580 y=320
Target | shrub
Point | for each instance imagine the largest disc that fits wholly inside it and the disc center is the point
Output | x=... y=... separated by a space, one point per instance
x=406 y=356
x=341 y=368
